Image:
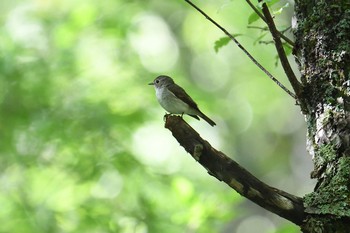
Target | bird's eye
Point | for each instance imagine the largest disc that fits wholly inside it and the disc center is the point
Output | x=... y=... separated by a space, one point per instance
x=157 y=81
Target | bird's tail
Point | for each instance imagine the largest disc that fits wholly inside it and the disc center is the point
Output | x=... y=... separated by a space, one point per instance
x=207 y=119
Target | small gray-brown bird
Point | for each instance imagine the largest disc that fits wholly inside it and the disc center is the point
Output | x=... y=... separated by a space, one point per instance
x=175 y=100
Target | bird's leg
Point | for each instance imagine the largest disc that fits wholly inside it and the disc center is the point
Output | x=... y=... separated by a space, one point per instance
x=165 y=116
x=182 y=114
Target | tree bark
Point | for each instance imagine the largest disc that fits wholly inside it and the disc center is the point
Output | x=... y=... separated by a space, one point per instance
x=322 y=50
x=227 y=170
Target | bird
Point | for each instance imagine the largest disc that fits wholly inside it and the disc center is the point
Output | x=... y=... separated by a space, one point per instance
x=175 y=100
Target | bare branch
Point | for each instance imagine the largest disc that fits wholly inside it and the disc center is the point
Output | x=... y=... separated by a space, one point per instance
x=281 y=53
x=289 y=41
x=225 y=169
x=243 y=49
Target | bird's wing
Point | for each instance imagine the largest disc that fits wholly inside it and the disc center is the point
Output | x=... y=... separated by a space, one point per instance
x=182 y=95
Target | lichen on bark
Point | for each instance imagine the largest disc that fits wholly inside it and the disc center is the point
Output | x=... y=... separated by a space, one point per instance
x=322 y=49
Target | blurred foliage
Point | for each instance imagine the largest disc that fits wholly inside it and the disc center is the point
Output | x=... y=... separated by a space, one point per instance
x=82 y=143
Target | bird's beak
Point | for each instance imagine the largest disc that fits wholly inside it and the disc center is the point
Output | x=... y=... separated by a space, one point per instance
x=151 y=84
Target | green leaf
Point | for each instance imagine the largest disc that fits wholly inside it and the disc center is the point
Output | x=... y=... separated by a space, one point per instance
x=223 y=41
x=253 y=17
x=279 y=11
x=287 y=48
x=271 y=2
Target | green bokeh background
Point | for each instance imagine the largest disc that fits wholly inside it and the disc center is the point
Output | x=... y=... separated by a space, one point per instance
x=82 y=142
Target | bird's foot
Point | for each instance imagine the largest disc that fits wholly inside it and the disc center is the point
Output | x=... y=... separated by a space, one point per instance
x=166 y=116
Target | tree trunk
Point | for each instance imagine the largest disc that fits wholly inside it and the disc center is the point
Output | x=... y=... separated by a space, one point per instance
x=323 y=53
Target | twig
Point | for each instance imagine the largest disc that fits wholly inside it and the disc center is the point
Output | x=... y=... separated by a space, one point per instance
x=288 y=28
x=244 y=50
x=266 y=42
x=280 y=50
x=227 y=170
x=289 y=41
x=266 y=28
x=261 y=28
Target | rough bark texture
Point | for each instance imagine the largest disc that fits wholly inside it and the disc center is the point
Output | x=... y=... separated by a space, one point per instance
x=323 y=53
x=227 y=170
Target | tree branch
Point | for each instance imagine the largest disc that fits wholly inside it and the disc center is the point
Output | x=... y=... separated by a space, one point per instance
x=280 y=50
x=289 y=41
x=243 y=49
x=225 y=169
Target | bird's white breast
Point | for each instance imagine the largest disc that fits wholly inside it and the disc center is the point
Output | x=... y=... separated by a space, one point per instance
x=170 y=102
